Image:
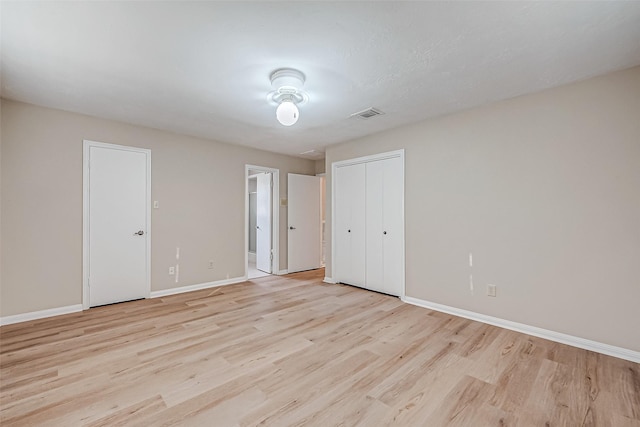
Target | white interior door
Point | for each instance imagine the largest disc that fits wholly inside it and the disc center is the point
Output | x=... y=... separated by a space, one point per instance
x=304 y=223
x=348 y=232
x=117 y=228
x=263 y=222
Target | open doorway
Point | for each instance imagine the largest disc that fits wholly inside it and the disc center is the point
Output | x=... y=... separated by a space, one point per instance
x=262 y=221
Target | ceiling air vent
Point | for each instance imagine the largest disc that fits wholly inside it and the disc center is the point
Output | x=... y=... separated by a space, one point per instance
x=368 y=113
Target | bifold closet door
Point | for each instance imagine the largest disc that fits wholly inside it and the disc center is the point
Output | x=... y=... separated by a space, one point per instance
x=349 y=224
x=375 y=225
x=384 y=188
x=393 y=225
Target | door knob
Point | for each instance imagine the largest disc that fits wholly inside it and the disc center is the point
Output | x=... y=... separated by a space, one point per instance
x=348 y=231
x=139 y=233
x=292 y=228
x=384 y=232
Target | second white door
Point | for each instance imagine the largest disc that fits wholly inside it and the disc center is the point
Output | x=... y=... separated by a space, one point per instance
x=304 y=223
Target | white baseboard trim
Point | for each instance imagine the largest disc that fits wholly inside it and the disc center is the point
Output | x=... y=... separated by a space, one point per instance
x=328 y=280
x=609 y=350
x=282 y=272
x=197 y=287
x=41 y=314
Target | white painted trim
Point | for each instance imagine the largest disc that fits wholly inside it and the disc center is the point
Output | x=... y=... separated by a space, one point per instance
x=86 y=146
x=275 y=216
x=199 y=286
x=370 y=158
x=282 y=272
x=610 y=350
x=358 y=160
x=329 y=280
x=34 y=315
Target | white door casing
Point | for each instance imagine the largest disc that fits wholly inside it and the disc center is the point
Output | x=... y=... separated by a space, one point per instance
x=116 y=229
x=255 y=170
x=304 y=236
x=263 y=223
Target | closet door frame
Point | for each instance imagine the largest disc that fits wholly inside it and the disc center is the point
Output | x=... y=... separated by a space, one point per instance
x=358 y=160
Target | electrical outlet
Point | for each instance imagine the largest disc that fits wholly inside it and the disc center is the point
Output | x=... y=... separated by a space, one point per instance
x=172 y=271
x=210 y=263
x=491 y=290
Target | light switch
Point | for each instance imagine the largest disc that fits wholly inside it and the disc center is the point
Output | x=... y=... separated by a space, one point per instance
x=491 y=290
x=156 y=204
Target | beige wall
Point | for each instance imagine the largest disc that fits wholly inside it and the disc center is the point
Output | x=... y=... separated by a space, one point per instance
x=0 y=206
x=199 y=184
x=544 y=190
x=320 y=166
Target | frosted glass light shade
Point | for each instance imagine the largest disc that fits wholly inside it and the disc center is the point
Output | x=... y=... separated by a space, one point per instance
x=287 y=113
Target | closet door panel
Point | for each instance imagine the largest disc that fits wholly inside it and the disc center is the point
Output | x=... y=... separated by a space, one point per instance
x=341 y=222
x=348 y=223
x=374 y=226
x=358 y=238
x=392 y=212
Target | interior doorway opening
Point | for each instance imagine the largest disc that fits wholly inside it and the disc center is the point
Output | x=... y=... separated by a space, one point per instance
x=262 y=221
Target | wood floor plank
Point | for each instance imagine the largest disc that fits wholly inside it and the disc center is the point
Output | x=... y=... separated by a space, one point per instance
x=292 y=350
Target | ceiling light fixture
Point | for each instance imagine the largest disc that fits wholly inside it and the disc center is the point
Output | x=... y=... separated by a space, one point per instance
x=287 y=94
x=287 y=113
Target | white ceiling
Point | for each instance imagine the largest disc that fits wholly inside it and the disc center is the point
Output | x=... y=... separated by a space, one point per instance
x=202 y=68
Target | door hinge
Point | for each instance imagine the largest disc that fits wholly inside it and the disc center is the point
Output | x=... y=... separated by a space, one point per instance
x=271 y=256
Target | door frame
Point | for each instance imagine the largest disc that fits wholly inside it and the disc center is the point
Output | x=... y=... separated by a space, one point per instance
x=357 y=160
x=264 y=232
x=86 y=147
x=275 y=217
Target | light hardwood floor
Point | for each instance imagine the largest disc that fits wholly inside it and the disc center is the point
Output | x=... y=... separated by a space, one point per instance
x=291 y=350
